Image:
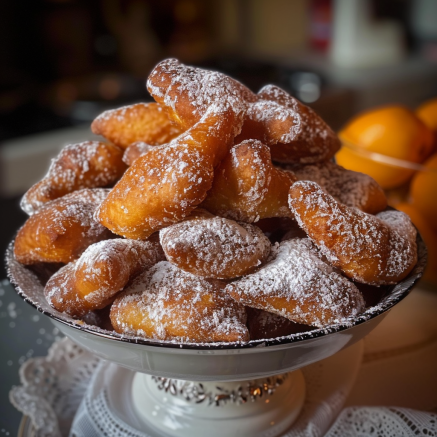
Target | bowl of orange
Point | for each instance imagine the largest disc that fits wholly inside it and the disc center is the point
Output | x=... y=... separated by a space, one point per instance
x=398 y=148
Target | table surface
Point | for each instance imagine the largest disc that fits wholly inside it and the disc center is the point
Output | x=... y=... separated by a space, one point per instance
x=400 y=355
x=25 y=333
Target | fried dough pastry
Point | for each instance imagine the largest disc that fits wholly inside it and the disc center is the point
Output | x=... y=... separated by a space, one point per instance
x=104 y=269
x=188 y=92
x=295 y=283
x=90 y=164
x=147 y=122
x=163 y=186
x=61 y=229
x=348 y=187
x=134 y=151
x=264 y=325
x=214 y=247
x=248 y=187
x=166 y=303
x=294 y=132
x=371 y=249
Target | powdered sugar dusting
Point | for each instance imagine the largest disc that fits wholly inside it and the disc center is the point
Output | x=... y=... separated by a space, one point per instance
x=295 y=133
x=168 y=303
x=348 y=187
x=190 y=91
x=106 y=267
x=248 y=187
x=352 y=240
x=62 y=229
x=159 y=189
x=403 y=248
x=399 y=222
x=89 y=164
x=60 y=292
x=281 y=124
x=29 y=287
x=260 y=177
x=215 y=247
x=78 y=206
x=134 y=151
x=298 y=285
x=164 y=185
x=311 y=140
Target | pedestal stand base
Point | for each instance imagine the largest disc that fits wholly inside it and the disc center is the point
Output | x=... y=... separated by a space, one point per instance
x=257 y=408
x=121 y=403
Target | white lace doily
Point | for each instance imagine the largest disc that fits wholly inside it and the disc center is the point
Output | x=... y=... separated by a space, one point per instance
x=54 y=391
x=383 y=422
x=53 y=387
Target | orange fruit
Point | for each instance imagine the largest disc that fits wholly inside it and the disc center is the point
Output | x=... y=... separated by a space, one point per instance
x=427 y=112
x=428 y=235
x=394 y=131
x=423 y=191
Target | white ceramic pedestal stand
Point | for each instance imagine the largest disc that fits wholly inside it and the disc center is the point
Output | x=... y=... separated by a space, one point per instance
x=258 y=408
x=125 y=403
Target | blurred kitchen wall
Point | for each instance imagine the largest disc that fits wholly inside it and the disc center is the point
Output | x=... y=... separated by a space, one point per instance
x=62 y=62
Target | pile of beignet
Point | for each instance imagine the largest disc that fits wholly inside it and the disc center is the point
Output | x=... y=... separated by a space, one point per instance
x=227 y=219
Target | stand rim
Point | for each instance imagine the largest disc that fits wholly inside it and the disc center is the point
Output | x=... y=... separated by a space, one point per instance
x=16 y=271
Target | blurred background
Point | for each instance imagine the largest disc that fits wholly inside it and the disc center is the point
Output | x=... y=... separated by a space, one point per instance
x=65 y=61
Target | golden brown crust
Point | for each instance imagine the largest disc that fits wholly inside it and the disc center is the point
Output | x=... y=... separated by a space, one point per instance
x=186 y=152
x=146 y=122
x=164 y=185
x=295 y=283
x=166 y=303
x=134 y=151
x=188 y=92
x=248 y=187
x=215 y=247
x=294 y=132
x=90 y=164
x=61 y=293
x=348 y=187
x=103 y=270
x=369 y=249
x=62 y=229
